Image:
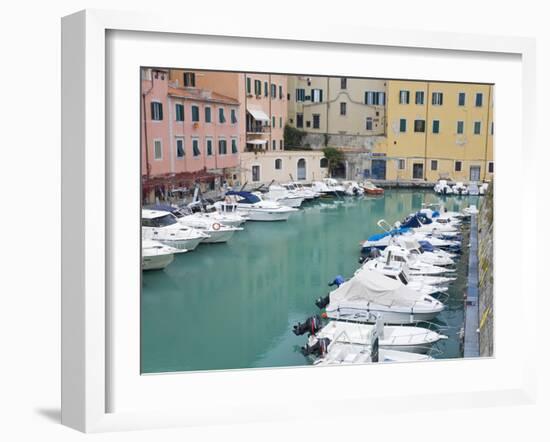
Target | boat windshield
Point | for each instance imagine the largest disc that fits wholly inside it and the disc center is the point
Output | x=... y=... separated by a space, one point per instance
x=403 y=278
x=162 y=221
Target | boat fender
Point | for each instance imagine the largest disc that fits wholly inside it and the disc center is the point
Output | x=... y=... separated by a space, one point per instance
x=337 y=281
x=323 y=301
x=216 y=226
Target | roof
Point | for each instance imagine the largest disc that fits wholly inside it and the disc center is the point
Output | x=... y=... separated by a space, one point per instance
x=201 y=95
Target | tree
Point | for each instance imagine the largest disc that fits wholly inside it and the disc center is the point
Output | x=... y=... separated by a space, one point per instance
x=293 y=138
x=334 y=157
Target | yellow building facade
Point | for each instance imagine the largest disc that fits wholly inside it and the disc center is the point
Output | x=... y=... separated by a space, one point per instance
x=436 y=130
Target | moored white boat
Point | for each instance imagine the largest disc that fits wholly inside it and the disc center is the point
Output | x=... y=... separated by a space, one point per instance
x=258 y=209
x=370 y=292
x=282 y=196
x=164 y=227
x=401 y=338
x=329 y=187
x=157 y=256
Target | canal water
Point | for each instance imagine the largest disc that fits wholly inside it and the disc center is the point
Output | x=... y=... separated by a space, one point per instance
x=233 y=305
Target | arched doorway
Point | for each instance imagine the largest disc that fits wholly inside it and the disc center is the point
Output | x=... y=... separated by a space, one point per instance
x=301 y=171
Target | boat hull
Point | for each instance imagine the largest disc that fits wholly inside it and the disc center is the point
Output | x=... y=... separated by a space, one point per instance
x=181 y=244
x=388 y=317
x=267 y=215
x=156 y=262
x=219 y=236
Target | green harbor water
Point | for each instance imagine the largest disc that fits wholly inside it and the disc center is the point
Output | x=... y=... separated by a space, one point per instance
x=233 y=305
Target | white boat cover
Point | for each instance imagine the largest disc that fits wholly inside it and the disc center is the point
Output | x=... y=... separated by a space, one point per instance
x=372 y=286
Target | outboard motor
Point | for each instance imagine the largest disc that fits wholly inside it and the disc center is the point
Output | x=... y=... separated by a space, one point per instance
x=337 y=281
x=311 y=325
x=318 y=349
x=323 y=301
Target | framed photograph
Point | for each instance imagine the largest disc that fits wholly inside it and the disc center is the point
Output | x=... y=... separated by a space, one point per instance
x=243 y=233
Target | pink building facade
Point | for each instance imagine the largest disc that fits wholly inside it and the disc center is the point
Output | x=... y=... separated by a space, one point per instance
x=186 y=130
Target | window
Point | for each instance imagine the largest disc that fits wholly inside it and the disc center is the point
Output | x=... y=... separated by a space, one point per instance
x=179 y=112
x=373 y=98
x=180 y=151
x=491 y=167
x=342 y=108
x=419 y=97
x=234 y=148
x=492 y=127
x=280 y=92
x=401 y=164
x=403 y=97
x=278 y=164
x=280 y=144
x=323 y=163
x=257 y=87
x=437 y=98
x=248 y=85
x=189 y=79
x=316 y=121
x=458 y=166
x=461 y=99
x=274 y=144
x=402 y=125
x=158 y=149
x=221 y=115
x=419 y=125
x=300 y=94
x=266 y=89
x=460 y=127
x=156 y=111
x=299 y=120
x=343 y=83
x=273 y=90
x=209 y=146
x=222 y=146
x=479 y=99
x=196 y=150
x=477 y=127
x=280 y=122
x=207 y=114
x=255 y=173
x=369 y=123
x=308 y=123
x=434 y=164
x=317 y=95
x=273 y=121
x=194 y=113
x=233 y=116
x=435 y=126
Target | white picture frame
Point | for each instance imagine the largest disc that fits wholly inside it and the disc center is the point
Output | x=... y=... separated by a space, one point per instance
x=87 y=311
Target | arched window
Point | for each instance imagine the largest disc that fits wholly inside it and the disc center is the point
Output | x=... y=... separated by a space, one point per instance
x=324 y=163
x=278 y=164
x=301 y=169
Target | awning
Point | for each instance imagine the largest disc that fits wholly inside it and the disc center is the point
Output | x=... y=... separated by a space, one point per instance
x=256 y=142
x=258 y=114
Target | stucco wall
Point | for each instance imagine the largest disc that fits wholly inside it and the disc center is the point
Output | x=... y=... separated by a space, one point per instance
x=289 y=165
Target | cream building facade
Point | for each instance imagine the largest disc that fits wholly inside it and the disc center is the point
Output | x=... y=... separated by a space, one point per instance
x=282 y=166
x=337 y=111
